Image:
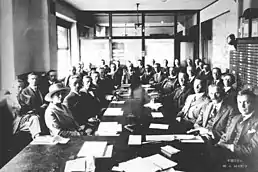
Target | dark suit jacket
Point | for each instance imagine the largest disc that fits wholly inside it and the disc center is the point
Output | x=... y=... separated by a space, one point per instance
x=231 y=97
x=223 y=117
x=73 y=102
x=31 y=101
x=248 y=137
x=158 y=77
x=145 y=79
x=175 y=101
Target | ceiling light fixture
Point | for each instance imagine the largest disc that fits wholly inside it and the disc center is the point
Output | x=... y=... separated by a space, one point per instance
x=138 y=24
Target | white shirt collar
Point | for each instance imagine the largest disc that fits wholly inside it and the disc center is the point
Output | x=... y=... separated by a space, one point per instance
x=198 y=95
x=218 y=105
x=246 y=117
x=227 y=88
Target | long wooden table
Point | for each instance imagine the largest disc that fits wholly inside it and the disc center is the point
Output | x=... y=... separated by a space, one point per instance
x=52 y=158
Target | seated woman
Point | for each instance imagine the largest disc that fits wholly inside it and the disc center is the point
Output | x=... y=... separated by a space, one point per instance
x=58 y=117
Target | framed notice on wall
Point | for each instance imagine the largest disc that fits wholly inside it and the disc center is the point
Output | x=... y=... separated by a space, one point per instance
x=255 y=27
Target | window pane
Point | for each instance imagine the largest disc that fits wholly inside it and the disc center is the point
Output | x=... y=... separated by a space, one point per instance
x=187 y=24
x=127 y=49
x=62 y=37
x=63 y=62
x=127 y=24
x=92 y=51
x=157 y=24
x=165 y=49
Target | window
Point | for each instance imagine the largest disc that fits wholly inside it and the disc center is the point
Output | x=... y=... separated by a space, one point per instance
x=64 y=51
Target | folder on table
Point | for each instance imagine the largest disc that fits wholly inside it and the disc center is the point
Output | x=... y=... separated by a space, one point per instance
x=108 y=129
x=160 y=161
x=157 y=115
x=94 y=148
x=75 y=165
x=118 y=102
x=169 y=150
x=113 y=112
x=159 y=126
x=155 y=138
x=135 y=140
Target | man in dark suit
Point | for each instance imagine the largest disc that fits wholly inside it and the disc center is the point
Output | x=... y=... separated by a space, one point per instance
x=213 y=121
x=230 y=91
x=169 y=84
x=216 y=77
x=73 y=100
x=147 y=76
x=115 y=75
x=191 y=74
x=31 y=99
x=51 y=78
x=175 y=101
x=241 y=137
x=158 y=77
x=90 y=103
x=194 y=104
x=165 y=68
x=28 y=122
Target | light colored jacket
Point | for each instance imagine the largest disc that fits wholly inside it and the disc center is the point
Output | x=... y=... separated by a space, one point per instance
x=60 y=121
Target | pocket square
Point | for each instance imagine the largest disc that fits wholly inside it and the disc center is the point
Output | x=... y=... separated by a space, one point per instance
x=251 y=131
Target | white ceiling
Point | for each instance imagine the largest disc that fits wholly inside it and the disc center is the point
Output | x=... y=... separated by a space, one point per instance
x=114 y=5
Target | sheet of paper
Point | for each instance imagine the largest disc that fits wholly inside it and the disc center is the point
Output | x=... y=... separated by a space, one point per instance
x=109 y=151
x=61 y=140
x=146 y=85
x=161 y=161
x=157 y=115
x=184 y=136
x=44 y=140
x=109 y=127
x=98 y=133
x=197 y=139
x=75 y=165
x=138 y=165
x=118 y=102
x=154 y=106
x=95 y=148
x=170 y=149
x=154 y=138
x=159 y=126
x=113 y=112
x=135 y=140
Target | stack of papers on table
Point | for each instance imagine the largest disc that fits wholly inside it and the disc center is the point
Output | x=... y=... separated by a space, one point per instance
x=157 y=138
x=159 y=126
x=157 y=115
x=98 y=149
x=49 y=140
x=169 y=150
x=154 y=106
x=108 y=129
x=149 y=164
x=113 y=112
x=189 y=138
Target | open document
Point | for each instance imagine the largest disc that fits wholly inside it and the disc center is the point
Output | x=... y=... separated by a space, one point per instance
x=113 y=112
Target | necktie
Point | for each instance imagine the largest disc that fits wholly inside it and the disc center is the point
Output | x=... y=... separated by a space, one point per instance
x=214 y=111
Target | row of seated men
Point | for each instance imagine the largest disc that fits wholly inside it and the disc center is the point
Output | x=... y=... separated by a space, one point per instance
x=204 y=105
